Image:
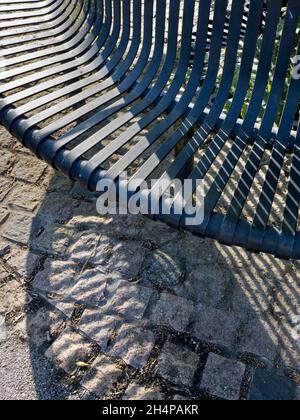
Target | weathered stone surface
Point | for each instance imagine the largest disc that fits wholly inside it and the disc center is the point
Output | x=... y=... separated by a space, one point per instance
x=90 y=287
x=6 y=160
x=24 y=196
x=231 y=257
x=223 y=377
x=56 y=277
x=22 y=261
x=251 y=293
x=90 y=247
x=7 y=140
x=259 y=338
x=289 y=343
x=18 y=228
x=173 y=312
x=4 y=275
x=64 y=306
x=5 y=247
x=206 y=284
x=126 y=227
x=127 y=258
x=102 y=376
x=3 y=329
x=99 y=326
x=83 y=246
x=28 y=168
x=215 y=326
x=198 y=250
x=270 y=386
x=178 y=397
x=157 y=233
x=55 y=182
x=3 y=214
x=86 y=219
x=54 y=209
x=39 y=327
x=51 y=239
x=177 y=364
x=164 y=269
x=141 y=393
x=129 y=300
x=133 y=344
x=5 y=186
x=80 y=193
x=69 y=348
x=13 y=297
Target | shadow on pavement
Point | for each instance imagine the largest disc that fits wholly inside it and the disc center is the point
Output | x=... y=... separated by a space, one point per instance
x=101 y=275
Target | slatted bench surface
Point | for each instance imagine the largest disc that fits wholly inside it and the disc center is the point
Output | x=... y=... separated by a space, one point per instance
x=165 y=89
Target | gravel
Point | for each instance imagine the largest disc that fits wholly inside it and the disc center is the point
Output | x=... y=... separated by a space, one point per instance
x=27 y=375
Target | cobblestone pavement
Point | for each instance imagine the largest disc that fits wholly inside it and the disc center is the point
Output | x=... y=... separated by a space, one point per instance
x=124 y=308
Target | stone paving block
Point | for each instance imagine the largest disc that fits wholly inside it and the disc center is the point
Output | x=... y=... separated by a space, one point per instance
x=259 y=338
x=203 y=250
x=222 y=377
x=91 y=247
x=5 y=186
x=252 y=292
x=215 y=326
x=127 y=226
x=83 y=246
x=157 y=232
x=133 y=344
x=64 y=306
x=289 y=343
x=177 y=364
x=136 y=392
x=270 y=386
x=24 y=196
x=7 y=140
x=19 y=228
x=28 y=168
x=5 y=247
x=4 y=214
x=127 y=258
x=99 y=326
x=287 y=296
x=102 y=376
x=90 y=287
x=164 y=268
x=4 y=274
x=6 y=160
x=22 y=261
x=52 y=239
x=178 y=397
x=68 y=349
x=55 y=182
x=57 y=277
x=173 y=312
x=80 y=193
x=129 y=300
x=206 y=284
x=39 y=327
x=103 y=251
x=231 y=257
x=13 y=297
x=58 y=208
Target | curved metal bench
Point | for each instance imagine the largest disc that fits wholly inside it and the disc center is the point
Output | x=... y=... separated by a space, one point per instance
x=98 y=87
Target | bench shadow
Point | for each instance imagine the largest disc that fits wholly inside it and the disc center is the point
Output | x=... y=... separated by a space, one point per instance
x=244 y=305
